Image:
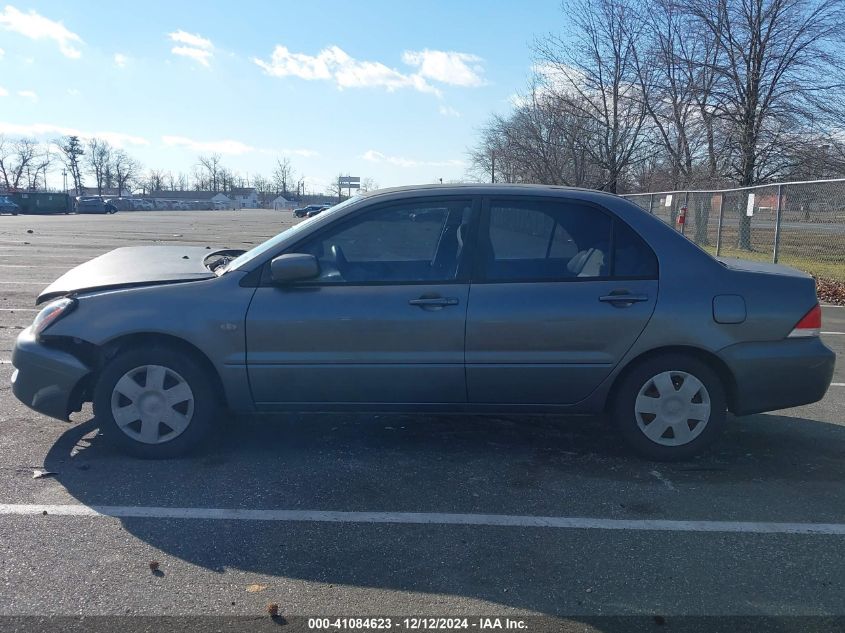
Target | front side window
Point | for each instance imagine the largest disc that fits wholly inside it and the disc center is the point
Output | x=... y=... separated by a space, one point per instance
x=546 y=241
x=411 y=242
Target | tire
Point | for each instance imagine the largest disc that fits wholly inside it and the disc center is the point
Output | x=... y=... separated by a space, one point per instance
x=122 y=384
x=686 y=424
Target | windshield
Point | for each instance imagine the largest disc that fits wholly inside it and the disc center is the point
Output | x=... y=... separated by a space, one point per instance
x=273 y=242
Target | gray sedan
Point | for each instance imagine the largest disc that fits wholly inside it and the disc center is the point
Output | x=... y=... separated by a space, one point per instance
x=477 y=299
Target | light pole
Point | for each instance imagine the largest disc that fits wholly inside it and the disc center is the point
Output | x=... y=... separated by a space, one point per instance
x=64 y=179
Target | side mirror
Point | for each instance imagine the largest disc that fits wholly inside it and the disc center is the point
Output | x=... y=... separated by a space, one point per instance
x=294 y=267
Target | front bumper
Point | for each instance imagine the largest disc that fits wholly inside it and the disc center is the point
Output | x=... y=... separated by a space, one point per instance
x=45 y=379
x=778 y=374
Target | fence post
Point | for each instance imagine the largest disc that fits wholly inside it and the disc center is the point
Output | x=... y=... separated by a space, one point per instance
x=777 y=228
x=651 y=204
x=719 y=230
x=685 y=210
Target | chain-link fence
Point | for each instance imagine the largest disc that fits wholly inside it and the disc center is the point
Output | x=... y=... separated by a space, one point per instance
x=800 y=224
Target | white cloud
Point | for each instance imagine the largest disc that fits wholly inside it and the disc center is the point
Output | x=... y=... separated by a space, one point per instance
x=37 y=27
x=335 y=64
x=448 y=67
x=3 y=92
x=193 y=46
x=448 y=111
x=197 y=54
x=73 y=92
x=191 y=39
x=2 y=53
x=378 y=157
x=118 y=139
x=120 y=60
x=28 y=94
x=227 y=146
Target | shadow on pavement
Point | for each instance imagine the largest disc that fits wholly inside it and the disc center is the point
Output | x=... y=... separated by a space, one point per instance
x=767 y=467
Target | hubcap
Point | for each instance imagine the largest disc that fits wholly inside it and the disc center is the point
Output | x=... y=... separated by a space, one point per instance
x=152 y=404
x=672 y=408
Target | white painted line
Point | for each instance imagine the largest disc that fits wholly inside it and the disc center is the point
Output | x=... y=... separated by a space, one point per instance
x=5 y=362
x=19 y=310
x=837 y=384
x=423 y=518
x=830 y=305
x=833 y=332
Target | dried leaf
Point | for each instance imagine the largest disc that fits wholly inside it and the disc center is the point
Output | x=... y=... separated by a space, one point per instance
x=40 y=474
x=273 y=610
x=255 y=588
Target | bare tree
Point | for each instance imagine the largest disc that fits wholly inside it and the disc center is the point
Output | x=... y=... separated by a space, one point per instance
x=283 y=175
x=594 y=73
x=368 y=184
x=780 y=68
x=212 y=167
x=72 y=152
x=18 y=160
x=154 y=180
x=98 y=158
x=125 y=169
x=264 y=187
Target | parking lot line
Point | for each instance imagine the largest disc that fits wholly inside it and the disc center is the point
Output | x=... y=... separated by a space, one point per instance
x=423 y=518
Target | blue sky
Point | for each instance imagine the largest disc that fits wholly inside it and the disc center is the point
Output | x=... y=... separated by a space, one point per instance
x=393 y=90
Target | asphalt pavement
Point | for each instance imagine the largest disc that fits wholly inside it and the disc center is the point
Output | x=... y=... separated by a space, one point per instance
x=384 y=514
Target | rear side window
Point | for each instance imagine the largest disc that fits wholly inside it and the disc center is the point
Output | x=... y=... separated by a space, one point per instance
x=546 y=241
x=632 y=257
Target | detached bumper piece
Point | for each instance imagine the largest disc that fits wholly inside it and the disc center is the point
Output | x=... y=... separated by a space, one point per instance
x=44 y=379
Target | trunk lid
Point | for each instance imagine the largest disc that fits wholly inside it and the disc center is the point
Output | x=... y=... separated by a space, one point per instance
x=132 y=266
x=749 y=266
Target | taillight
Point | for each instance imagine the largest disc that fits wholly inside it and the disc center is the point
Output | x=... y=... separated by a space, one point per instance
x=809 y=325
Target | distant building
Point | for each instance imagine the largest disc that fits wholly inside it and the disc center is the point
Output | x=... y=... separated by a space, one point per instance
x=107 y=192
x=244 y=197
x=191 y=199
x=280 y=202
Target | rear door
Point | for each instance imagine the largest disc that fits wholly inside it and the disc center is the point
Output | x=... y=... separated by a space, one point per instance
x=383 y=323
x=562 y=290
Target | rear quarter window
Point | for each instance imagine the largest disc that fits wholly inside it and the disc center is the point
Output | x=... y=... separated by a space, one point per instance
x=632 y=257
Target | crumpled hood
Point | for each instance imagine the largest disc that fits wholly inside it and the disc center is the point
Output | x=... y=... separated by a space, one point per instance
x=132 y=266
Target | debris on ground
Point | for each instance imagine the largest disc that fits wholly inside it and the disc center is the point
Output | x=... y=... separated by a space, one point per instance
x=40 y=474
x=273 y=610
x=255 y=588
x=154 y=565
x=831 y=290
x=30 y=231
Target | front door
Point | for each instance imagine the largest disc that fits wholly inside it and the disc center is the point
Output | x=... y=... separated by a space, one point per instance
x=564 y=290
x=383 y=323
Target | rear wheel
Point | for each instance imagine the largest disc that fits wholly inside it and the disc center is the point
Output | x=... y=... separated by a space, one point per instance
x=670 y=407
x=155 y=403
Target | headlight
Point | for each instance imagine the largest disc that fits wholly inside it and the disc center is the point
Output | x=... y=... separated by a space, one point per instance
x=51 y=313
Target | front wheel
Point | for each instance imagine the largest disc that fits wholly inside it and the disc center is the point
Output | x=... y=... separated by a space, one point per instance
x=155 y=403
x=670 y=407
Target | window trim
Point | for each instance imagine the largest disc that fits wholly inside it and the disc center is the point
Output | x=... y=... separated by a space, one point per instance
x=464 y=275
x=479 y=273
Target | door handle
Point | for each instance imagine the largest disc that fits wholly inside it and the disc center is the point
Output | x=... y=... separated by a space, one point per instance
x=623 y=299
x=434 y=302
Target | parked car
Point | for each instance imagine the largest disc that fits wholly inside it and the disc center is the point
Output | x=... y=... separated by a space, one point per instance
x=581 y=303
x=7 y=205
x=94 y=204
x=142 y=204
x=317 y=211
x=304 y=211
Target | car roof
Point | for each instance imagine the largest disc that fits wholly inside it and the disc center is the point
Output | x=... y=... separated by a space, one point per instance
x=488 y=189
